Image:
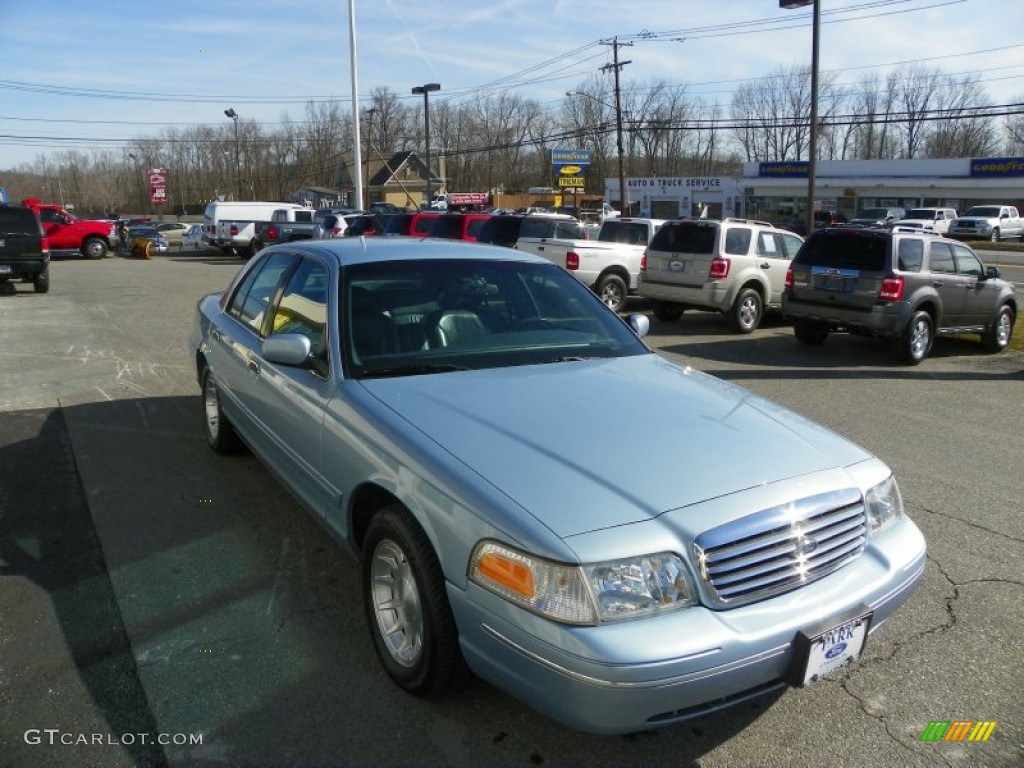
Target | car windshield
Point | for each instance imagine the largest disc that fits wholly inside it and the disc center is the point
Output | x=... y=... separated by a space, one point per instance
x=986 y=211
x=411 y=317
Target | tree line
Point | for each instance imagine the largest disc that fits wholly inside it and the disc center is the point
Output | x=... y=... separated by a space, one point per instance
x=502 y=143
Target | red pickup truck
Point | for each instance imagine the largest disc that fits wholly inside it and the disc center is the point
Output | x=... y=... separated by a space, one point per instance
x=69 y=235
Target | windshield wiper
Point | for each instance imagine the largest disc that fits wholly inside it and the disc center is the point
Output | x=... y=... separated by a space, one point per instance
x=413 y=369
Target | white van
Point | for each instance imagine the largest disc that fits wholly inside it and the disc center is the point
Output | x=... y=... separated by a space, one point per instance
x=241 y=210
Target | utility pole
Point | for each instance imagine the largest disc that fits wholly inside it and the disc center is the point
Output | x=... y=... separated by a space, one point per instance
x=616 y=66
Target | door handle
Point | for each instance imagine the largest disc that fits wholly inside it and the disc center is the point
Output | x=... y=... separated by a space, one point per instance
x=253 y=365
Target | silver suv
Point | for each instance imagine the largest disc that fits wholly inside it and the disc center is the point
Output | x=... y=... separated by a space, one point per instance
x=734 y=266
x=903 y=286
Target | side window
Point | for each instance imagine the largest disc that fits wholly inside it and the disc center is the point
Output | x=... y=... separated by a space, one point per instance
x=966 y=262
x=475 y=225
x=251 y=300
x=49 y=216
x=770 y=244
x=737 y=240
x=303 y=305
x=791 y=244
x=911 y=255
x=941 y=259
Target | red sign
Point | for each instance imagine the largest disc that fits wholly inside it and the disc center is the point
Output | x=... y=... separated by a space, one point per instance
x=158 y=186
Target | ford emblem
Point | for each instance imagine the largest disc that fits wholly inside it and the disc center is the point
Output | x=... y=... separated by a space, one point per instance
x=835 y=650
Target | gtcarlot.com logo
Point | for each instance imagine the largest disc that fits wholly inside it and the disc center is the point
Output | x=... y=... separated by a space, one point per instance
x=55 y=736
x=958 y=730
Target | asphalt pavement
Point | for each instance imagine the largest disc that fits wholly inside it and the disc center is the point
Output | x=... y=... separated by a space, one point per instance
x=161 y=605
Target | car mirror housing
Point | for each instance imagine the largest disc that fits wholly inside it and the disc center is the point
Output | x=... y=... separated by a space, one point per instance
x=992 y=272
x=287 y=349
x=640 y=324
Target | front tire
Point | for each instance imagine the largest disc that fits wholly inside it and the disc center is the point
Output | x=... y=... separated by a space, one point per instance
x=612 y=290
x=94 y=248
x=220 y=435
x=997 y=337
x=994 y=237
x=407 y=609
x=916 y=342
x=747 y=311
x=668 y=312
x=41 y=281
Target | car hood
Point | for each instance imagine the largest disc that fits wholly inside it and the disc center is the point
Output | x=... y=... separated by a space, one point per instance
x=589 y=445
x=976 y=219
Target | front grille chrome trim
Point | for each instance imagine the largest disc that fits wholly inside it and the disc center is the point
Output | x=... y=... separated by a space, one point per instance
x=781 y=548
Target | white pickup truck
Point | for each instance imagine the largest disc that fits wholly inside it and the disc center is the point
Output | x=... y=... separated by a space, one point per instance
x=988 y=222
x=609 y=265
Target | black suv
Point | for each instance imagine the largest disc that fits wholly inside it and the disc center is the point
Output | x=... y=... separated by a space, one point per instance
x=24 y=252
x=907 y=287
x=507 y=229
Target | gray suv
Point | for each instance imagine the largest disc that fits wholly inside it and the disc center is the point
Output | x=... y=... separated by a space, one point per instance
x=903 y=286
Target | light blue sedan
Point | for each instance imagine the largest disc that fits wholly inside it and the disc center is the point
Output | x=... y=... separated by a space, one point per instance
x=537 y=497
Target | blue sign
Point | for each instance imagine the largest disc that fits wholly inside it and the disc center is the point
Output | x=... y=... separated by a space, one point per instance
x=570 y=157
x=997 y=166
x=795 y=169
x=3 y=195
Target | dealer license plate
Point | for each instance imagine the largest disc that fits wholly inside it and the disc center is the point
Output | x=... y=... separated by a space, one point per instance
x=833 y=650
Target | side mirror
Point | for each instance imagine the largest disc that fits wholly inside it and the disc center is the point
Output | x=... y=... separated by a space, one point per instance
x=640 y=324
x=291 y=349
x=992 y=272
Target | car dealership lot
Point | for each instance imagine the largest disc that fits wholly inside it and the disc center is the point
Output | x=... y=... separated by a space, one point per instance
x=150 y=587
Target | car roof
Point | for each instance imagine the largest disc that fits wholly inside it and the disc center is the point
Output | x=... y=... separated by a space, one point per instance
x=359 y=250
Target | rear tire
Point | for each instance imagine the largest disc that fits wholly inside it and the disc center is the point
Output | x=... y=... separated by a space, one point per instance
x=94 y=248
x=667 y=311
x=612 y=290
x=916 y=342
x=997 y=337
x=407 y=609
x=220 y=435
x=41 y=281
x=809 y=333
x=746 y=312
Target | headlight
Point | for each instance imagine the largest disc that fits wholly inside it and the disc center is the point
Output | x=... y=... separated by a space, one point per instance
x=587 y=594
x=884 y=503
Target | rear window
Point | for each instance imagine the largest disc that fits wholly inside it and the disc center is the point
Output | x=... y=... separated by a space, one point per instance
x=844 y=250
x=18 y=221
x=449 y=227
x=398 y=224
x=537 y=228
x=626 y=232
x=500 y=230
x=685 y=237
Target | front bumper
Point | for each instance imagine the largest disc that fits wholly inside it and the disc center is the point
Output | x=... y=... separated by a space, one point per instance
x=645 y=674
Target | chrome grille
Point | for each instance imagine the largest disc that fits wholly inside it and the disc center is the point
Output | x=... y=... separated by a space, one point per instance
x=782 y=548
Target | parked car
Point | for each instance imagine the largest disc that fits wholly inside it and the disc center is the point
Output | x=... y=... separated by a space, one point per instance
x=441 y=408
x=193 y=238
x=798 y=224
x=144 y=241
x=506 y=230
x=365 y=224
x=24 y=249
x=172 y=231
x=410 y=224
x=988 y=222
x=928 y=219
x=330 y=225
x=907 y=287
x=878 y=217
x=733 y=266
x=458 y=226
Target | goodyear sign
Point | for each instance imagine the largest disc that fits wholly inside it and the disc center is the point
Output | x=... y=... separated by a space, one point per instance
x=783 y=170
x=989 y=167
x=570 y=157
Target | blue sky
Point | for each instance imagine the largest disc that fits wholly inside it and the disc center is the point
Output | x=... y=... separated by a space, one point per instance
x=92 y=74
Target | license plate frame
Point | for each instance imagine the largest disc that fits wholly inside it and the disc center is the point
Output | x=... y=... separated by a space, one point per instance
x=825 y=650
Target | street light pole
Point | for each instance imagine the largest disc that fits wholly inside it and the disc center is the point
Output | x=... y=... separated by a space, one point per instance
x=812 y=144
x=425 y=90
x=229 y=112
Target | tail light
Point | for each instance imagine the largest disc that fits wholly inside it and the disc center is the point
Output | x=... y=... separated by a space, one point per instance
x=789 y=277
x=272 y=232
x=572 y=260
x=643 y=263
x=234 y=230
x=334 y=231
x=45 y=244
x=892 y=289
x=719 y=268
